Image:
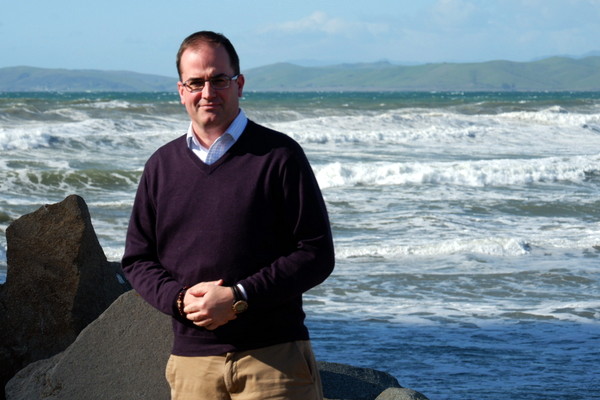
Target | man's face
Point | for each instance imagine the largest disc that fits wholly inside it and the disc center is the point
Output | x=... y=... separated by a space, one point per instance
x=211 y=110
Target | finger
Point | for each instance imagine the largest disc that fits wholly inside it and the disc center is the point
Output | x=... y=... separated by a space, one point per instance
x=196 y=315
x=191 y=309
x=205 y=323
x=201 y=288
x=197 y=291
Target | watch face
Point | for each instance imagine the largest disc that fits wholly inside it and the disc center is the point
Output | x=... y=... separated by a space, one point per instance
x=240 y=306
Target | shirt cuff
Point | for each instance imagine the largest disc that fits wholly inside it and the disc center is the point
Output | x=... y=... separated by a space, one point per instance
x=242 y=291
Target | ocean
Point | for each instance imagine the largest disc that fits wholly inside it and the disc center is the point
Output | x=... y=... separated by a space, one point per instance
x=466 y=225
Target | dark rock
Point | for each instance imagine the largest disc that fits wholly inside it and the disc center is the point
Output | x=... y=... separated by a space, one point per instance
x=122 y=355
x=344 y=382
x=400 y=394
x=58 y=281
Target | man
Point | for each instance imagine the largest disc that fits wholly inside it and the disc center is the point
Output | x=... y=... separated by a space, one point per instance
x=227 y=231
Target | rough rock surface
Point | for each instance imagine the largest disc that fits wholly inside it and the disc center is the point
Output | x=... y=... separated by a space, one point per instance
x=400 y=394
x=122 y=355
x=343 y=382
x=58 y=281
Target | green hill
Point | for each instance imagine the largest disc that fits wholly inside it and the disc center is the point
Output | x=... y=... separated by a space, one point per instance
x=30 y=79
x=551 y=74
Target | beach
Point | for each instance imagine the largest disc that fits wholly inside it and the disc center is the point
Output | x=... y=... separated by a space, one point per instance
x=466 y=225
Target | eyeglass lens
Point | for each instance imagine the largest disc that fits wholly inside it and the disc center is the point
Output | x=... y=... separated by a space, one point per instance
x=218 y=82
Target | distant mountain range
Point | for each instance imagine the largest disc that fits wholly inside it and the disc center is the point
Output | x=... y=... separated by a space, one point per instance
x=31 y=79
x=550 y=74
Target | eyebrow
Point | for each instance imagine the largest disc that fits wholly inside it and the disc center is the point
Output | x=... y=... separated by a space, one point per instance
x=212 y=77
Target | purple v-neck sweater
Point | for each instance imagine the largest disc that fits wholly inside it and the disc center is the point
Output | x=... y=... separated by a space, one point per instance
x=255 y=217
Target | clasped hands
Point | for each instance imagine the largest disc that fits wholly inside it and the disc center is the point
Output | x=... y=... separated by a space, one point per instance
x=209 y=304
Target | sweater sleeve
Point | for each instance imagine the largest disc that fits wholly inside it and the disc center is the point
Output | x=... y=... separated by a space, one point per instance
x=311 y=259
x=140 y=261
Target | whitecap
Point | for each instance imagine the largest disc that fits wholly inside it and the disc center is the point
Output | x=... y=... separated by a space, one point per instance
x=494 y=246
x=23 y=139
x=501 y=172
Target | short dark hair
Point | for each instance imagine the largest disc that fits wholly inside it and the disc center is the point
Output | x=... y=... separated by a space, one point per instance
x=217 y=39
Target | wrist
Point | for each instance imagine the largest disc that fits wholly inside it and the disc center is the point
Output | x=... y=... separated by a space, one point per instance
x=180 y=303
x=239 y=302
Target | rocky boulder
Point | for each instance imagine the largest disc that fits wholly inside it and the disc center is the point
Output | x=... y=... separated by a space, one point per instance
x=122 y=355
x=58 y=281
x=344 y=382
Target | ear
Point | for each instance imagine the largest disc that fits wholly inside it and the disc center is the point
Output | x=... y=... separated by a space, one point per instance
x=181 y=91
x=241 y=80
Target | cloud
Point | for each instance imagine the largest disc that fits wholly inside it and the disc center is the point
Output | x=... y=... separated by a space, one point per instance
x=432 y=31
x=320 y=22
x=451 y=13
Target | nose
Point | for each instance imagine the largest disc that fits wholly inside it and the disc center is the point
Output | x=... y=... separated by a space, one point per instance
x=208 y=91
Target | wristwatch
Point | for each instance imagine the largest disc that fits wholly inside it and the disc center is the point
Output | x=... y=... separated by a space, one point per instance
x=239 y=304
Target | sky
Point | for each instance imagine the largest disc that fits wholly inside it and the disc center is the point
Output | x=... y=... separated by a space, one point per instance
x=143 y=36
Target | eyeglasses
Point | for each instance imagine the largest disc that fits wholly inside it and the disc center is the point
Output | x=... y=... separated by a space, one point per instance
x=220 y=82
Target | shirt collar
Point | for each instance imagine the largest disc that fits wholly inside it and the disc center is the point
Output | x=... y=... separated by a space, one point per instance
x=235 y=130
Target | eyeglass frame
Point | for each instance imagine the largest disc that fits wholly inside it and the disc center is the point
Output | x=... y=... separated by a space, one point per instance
x=221 y=76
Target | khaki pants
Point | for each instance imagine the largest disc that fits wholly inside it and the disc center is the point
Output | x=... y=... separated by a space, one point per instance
x=285 y=371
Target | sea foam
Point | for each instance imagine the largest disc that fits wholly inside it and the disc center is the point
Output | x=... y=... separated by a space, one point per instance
x=467 y=173
x=389 y=249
